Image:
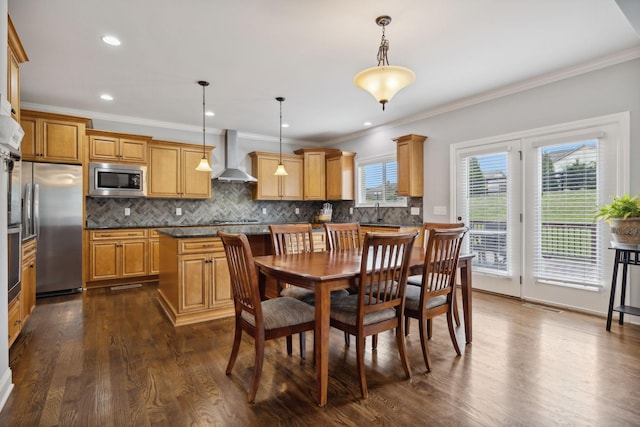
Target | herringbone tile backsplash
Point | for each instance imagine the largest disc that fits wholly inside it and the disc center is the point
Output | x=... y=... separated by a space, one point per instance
x=229 y=201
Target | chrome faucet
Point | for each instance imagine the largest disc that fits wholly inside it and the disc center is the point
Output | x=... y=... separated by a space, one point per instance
x=377 y=207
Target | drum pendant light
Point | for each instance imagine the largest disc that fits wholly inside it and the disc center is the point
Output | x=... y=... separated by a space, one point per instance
x=280 y=171
x=384 y=81
x=204 y=163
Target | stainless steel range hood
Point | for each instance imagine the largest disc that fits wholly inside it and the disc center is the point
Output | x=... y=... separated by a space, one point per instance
x=231 y=172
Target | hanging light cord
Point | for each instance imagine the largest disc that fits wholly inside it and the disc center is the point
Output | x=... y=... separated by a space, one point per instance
x=203 y=121
x=280 y=100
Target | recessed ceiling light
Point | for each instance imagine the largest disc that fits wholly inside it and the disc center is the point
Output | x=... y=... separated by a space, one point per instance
x=111 y=40
x=367 y=123
x=106 y=97
x=285 y=125
x=210 y=113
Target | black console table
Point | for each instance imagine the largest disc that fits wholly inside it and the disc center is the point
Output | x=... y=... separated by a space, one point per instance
x=625 y=255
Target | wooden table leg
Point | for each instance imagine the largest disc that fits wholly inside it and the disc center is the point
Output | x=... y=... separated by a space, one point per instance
x=465 y=282
x=321 y=342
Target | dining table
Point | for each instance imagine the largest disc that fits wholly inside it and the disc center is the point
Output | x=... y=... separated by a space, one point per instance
x=327 y=271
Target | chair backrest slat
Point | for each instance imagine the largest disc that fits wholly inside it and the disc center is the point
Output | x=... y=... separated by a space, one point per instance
x=342 y=236
x=433 y=225
x=441 y=260
x=289 y=239
x=383 y=271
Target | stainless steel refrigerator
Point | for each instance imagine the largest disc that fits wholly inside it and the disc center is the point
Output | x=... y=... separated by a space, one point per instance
x=52 y=210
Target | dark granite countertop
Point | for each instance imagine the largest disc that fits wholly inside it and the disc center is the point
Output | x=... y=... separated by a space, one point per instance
x=212 y=231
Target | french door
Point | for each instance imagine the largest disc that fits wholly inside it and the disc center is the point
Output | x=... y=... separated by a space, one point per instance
x=530 y=203
x=487 y=201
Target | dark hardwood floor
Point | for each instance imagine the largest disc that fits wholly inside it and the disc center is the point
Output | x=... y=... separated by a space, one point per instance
x=110 y=358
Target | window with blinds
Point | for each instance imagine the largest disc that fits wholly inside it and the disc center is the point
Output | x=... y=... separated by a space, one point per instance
x=378 y=183
x=566 y=251
x=486 y=205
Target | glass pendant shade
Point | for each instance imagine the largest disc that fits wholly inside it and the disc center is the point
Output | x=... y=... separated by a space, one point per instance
x=384 y=81
x=203 y=166
x=281 y=171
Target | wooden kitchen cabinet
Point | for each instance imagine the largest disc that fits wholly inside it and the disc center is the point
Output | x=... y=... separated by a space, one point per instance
x=154 y=252
x=314 y=172
x=117 y=147
x=28 y=278
x=16 y=55
x=194 y=283
x=118 y=254
x=272 y=187
x=15 y=319
x=173 y=174
x=340 y=175
x=53 y=138
x=410 y=157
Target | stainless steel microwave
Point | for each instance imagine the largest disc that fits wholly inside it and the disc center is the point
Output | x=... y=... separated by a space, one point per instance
x=117 y=180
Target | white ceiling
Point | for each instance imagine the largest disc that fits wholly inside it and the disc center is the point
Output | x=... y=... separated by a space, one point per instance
x=307 y=51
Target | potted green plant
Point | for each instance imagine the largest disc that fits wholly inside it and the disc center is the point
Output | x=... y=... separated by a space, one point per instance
x=623 y=214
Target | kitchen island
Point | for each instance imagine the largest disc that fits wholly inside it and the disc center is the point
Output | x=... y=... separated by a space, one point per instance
x=193 y=283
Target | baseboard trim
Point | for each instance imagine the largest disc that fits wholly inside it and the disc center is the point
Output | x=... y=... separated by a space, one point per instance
x=6 y=385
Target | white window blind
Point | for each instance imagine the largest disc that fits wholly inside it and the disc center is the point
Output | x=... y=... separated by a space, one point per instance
x=566 y=251
x=378 y=183
x=484 y=181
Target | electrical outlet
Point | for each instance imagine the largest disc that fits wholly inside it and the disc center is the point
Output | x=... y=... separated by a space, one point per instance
x=415 y=211
x=178 y=211
x=439 y=210
x=264 y=211
x=297 y=211
x=127 y=211
x=350 y=211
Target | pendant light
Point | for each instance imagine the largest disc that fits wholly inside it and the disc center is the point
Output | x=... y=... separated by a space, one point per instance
x=204 y=163
x=280 y=171
x=384 y=81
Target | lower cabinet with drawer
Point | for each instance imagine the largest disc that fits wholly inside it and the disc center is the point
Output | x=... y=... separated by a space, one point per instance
x=194 y=283
x=118 y=256
x=364 y=229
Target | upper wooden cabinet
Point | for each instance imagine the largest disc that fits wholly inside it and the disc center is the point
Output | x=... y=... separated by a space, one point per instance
x=117 y=147
x=314 y=168
x=272 y=187
x=15 y=56
x=340 y=175
x=410 y=156
x=53 y=138
x=172 y=171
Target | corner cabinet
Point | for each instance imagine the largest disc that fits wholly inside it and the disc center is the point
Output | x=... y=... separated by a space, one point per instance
x=340 y=175
x=172 y=171
x=410 y=157
x=272 y=187
x=53 y=138
x=194 y=284
x=117 y=147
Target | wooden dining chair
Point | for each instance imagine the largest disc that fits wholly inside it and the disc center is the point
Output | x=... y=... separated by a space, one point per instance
x=435 y=295
x=342 y=236
x=262 y=320
x=379 y=304
x=293 y=239
x=416 y=280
